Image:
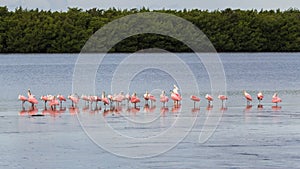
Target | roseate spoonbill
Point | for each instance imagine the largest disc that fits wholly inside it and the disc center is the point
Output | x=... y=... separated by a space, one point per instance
x=175 y=97
x=209 y=98
x=98 y=99
x=122 y=96
x=134 y=99
x=53 y=102
x=248 y=97
x=31 y=98
x=276 y=99
x=85 y=98
x=260 y=96
x=146 y=97
x=163 y=98
x=128 y=97
x=91 y=99
x=61 y=98
x=222 y=98
x=74 y=98
x=152 y=99
x=104 y=99
x=95 y=99
x=23 y=99
x=45 y=99
x=111 y=100
x=195 y=99
x=119 y=98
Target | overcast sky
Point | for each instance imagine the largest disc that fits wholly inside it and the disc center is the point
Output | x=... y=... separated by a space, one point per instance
x=62 y=5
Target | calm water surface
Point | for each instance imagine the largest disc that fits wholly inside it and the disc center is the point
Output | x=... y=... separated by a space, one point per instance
x=246 y=137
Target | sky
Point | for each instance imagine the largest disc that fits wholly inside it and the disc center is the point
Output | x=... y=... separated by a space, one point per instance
x=62 y=5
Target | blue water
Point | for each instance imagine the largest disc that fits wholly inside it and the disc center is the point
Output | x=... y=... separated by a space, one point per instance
x=245 y=137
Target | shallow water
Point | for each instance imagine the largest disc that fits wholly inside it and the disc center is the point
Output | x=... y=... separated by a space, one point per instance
x=245 y=137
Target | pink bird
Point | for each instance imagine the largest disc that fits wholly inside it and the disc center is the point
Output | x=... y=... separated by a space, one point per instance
x=209 y=98
x=248 y=97
x=195 y=99
x=128 y=97
x=104 y=99
x=111 y=99
x=98 y=99
x=222 y=98
x=92 y=99
x=45 y=99
x=260 y=96
x=74 y=98
x=31 y=98
x=23 y=99
x=61 y=98
x=175 y=96
x=33 y=101
x=134 y=99
x=276 y=99
x=85 y=98
x=119 y=98
x=53 y=102
x=95 y=99
x=163 y=98
x=122 y=96
x=152 y=98
x=147 y=97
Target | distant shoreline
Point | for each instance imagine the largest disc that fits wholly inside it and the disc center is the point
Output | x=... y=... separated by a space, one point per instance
x=35 y=31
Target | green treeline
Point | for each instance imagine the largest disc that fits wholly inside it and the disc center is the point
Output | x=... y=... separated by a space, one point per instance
x=32 y=31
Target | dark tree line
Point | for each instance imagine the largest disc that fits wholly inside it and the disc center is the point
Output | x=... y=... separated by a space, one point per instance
x=32 y=31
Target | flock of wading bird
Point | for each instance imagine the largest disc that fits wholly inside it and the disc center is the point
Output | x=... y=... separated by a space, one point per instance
x=115 y=101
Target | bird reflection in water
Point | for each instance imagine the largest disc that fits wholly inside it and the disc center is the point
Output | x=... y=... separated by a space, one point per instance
x=73 y=110
x=248 y=108
x=276 y=108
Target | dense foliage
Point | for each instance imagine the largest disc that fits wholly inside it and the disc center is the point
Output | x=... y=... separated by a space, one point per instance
x=229 y=30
